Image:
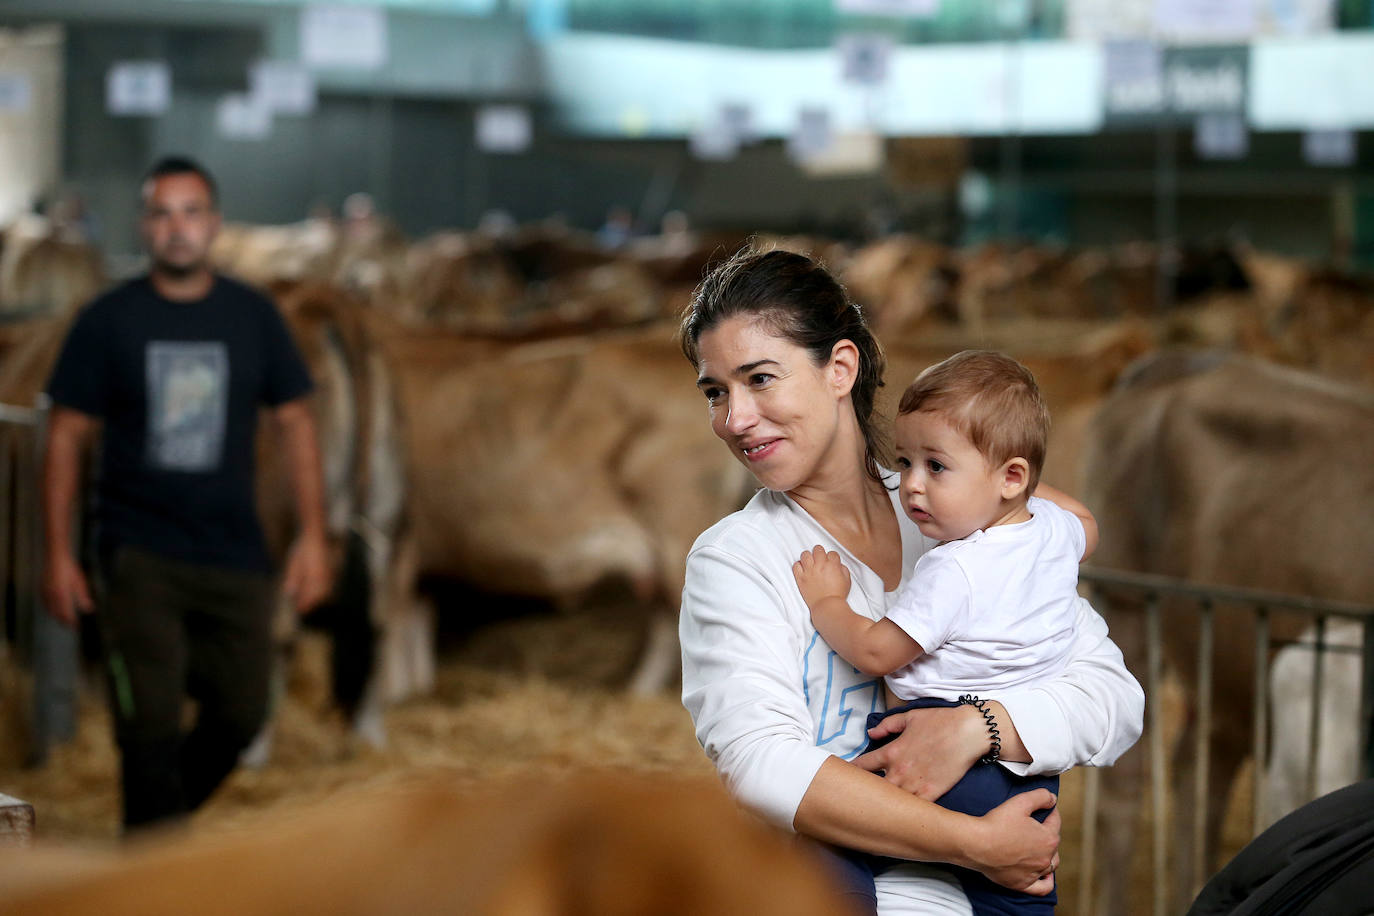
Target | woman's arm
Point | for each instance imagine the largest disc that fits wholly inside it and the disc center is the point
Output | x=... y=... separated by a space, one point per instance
x=850 y=807
x=1089 y=715
x=744 y=651
x=936 y=746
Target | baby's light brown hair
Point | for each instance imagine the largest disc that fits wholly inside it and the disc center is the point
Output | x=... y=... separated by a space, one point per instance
x=992 y=400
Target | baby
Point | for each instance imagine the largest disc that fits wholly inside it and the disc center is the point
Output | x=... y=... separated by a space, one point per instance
x=993 y=605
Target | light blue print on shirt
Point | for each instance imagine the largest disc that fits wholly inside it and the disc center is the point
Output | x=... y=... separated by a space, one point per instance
x=837 y=710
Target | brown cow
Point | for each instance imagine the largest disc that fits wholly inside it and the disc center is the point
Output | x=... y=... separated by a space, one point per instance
x=1241 y=474
x=45 y=272
x=589 y=844
x=544 y=469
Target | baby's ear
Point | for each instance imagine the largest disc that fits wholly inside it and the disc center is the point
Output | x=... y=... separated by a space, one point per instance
x=1015 y=478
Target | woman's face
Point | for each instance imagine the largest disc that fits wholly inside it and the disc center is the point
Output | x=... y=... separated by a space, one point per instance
x=771 y=404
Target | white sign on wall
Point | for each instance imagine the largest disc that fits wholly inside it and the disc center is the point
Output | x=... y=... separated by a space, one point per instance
x=812 y=136
x=240 y=116
x=283 y=87
x=866 y=59
x=16 y=92
x=504 y=129
x=738 y=119
x=138 y=87
x=1205 y=19
x=713 y=142
x=1221 y=136
x=856 y=153
x=344 y=36
x=1333 y=148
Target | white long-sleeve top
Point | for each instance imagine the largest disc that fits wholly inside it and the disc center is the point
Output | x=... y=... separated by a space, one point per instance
x=771 y=700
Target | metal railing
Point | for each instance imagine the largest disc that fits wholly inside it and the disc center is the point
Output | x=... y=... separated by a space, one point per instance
x=50 y=648
x=1153 y=589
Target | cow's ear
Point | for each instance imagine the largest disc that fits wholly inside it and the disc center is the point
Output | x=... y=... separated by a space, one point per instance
x=1015 y=478
x=843 y=369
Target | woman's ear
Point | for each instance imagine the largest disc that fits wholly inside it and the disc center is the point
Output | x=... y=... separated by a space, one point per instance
x=843 y=368
x=1015 y=477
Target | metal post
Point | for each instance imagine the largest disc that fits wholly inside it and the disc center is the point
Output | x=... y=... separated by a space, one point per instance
x=1155 y=677
x=1166 y=215
x=1092 y=791
x=1367 y=699
x=54 y=645
x=1202 y=772
x=1314 y=723
x=1259 y=798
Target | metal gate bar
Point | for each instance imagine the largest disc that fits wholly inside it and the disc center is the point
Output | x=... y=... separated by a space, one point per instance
x=1151 y=587
x=1261 y=724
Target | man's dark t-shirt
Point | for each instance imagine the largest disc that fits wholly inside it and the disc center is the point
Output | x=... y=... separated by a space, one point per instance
x=178 y=386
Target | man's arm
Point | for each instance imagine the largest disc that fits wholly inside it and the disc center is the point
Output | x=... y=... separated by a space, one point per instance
x=65 y=590
x=307 y=579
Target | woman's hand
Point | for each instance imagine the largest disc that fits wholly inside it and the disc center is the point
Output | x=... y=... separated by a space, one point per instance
x=1014 y=849
x=933 y=749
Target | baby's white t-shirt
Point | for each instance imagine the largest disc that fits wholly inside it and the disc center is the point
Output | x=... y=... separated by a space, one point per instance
x=993 y=610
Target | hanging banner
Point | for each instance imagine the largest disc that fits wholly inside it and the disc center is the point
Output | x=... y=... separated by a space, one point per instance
x=240 y=116
x=16 y=92
x=1133 y=83
x=140 y=88
x=283 y=87
x=1221 y=136
x=1145 y=84
x=344 y=36
x=503 y=129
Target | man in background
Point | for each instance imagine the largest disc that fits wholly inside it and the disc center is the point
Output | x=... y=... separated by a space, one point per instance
x=170 y=369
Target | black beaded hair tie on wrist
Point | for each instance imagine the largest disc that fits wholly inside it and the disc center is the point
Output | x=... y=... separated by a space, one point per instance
x=995 y=737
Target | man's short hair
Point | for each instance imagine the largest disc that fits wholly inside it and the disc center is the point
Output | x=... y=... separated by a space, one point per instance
x=182 y=165
x=992 y=400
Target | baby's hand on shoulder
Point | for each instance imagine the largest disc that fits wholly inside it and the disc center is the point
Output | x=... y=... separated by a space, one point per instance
x=820 y=574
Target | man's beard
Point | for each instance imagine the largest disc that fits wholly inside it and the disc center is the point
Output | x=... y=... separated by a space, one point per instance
x=178 y=271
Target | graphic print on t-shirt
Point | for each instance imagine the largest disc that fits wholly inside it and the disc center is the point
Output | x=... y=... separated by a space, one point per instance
x=188 y=399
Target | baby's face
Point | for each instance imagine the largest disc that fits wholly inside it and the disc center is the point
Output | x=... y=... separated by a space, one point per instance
x=948 y=488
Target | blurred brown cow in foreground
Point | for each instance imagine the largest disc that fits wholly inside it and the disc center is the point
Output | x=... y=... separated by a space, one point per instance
x=1228 y=471
x=591 y=844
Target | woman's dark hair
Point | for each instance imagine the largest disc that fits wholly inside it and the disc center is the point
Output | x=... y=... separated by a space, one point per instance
x=800 y=301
